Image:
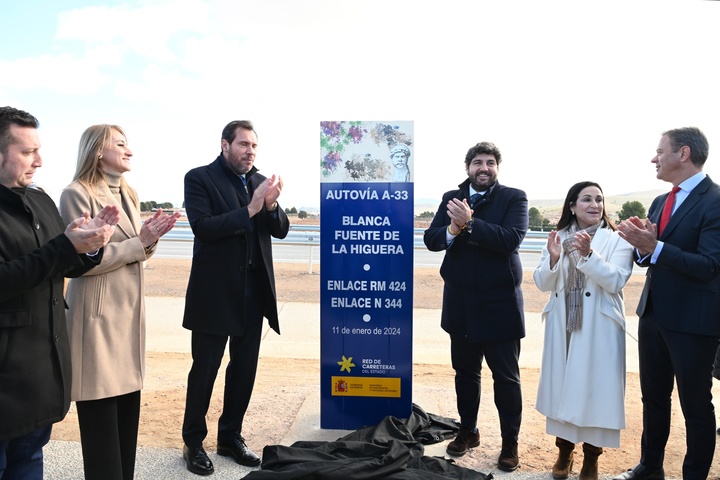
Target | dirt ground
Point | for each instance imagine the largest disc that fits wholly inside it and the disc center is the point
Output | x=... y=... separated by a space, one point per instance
x=280 y=391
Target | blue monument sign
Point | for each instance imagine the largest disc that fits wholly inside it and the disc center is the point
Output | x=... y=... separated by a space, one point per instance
x=366 y=272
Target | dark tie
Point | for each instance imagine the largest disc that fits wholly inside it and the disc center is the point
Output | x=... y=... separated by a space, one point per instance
x=244 y=195
x=474 y=199
x=244 y=191
x=667 y=210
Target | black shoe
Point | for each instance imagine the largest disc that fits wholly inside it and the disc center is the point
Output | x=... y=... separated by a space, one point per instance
x=641 y=472
x=197 y=460
x=237 y=449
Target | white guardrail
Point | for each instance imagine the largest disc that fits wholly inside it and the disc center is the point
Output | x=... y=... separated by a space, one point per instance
x=310 y=235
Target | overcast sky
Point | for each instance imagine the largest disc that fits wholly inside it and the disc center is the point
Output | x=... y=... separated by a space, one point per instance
x=569 y=91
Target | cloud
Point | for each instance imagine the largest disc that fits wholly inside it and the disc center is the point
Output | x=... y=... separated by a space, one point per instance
x=567 y=90
x=146 y=30
x=60 y=73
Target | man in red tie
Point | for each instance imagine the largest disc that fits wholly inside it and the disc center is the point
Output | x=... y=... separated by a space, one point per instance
x=667 y=211
x=679 y=308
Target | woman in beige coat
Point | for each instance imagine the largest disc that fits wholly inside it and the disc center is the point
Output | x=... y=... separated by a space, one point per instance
x=106 y=319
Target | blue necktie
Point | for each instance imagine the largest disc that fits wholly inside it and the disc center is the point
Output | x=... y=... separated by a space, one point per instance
x=244 y=194
x=474 y=199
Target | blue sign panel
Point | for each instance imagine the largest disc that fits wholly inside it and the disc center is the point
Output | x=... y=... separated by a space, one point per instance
x=366 y=290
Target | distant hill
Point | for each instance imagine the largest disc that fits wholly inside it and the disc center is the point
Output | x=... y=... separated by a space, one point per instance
x=310 y=210
x=426 y=205
x=551 y=208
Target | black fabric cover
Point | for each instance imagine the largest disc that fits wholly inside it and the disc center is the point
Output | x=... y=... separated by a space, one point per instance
x=392 y=449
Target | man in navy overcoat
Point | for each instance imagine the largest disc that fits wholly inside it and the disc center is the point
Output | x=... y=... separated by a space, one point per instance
x=480 y=226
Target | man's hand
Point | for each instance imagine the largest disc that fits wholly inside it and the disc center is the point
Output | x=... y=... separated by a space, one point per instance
x=110 y=215
x=86 y=239
x=460 y=213
x=274 y=189
x=641 y=234
x=265 y=195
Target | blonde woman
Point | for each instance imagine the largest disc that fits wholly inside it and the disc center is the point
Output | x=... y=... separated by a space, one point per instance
x=106 y=319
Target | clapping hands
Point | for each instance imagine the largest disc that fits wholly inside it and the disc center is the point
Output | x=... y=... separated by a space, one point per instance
x=266 y=195
x=641 y=234
x=157 y=226
x=90 y=235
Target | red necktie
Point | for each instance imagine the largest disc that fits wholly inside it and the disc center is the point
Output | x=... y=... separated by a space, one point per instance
x=667 y=210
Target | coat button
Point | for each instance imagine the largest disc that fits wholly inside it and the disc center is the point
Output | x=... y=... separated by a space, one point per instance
x=37 y=226
x=55 y=301
x=587 y=294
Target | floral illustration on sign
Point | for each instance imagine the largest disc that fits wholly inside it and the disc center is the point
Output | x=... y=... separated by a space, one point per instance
x=340 y=143
x=334 y=137
x=367 y=168
x=389 y=134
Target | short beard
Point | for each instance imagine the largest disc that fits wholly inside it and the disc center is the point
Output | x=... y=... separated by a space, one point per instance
x=235 y=168
x=483 y=188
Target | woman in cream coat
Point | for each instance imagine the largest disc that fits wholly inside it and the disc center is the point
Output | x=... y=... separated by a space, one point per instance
x=106 y=319
x=581 y=391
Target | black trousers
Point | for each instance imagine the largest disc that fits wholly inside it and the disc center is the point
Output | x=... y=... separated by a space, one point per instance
x=502 y=359
x=108 y=435
x=667 y=357
x=207 y=353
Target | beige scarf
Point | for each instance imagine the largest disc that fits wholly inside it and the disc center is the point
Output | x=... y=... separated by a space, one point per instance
x=576 y=279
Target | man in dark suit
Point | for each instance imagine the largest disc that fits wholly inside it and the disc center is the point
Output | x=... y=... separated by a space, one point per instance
x=480 y=226
x=679 y=308
x=233 y=212
x=36 y=251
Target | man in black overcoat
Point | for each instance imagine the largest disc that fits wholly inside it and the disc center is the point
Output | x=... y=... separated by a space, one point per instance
x=233 y=212
x=37 y=250
x=480 y=227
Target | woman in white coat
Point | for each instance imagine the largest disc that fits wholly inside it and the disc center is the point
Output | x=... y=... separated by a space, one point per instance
x=584 y=266
x=106 y=319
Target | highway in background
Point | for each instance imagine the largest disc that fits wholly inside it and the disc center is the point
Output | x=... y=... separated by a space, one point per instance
x=310 y=255
x=302 y=245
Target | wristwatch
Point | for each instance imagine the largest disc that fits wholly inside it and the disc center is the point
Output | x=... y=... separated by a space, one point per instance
x=469 y=224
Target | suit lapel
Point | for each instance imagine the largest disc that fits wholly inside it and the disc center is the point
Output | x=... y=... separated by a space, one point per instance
x=655 y=217
x=690 y=202
x=484 y=198
x=253 y=181
x=222 y=182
